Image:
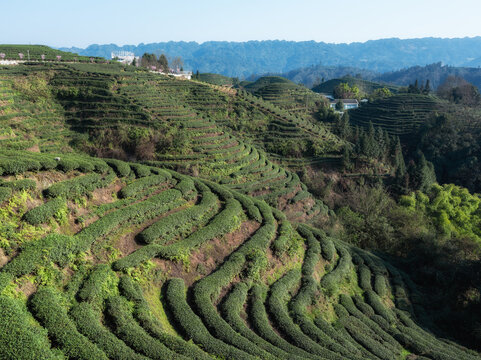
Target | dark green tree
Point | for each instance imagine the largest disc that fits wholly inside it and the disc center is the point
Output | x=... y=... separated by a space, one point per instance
x=427 y=88
x=163 y=63
x=346 y=159
x=339 y=106
x=399 y=163
x=421 y=174
x=342 y=128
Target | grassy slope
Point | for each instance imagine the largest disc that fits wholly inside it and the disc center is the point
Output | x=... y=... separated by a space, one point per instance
x=36 y=51
x=401 y=114
x=324 y=298
x=364 y=86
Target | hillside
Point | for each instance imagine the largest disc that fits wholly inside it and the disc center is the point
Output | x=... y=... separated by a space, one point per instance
x=110 y=112
x=286 y=94
x=365 y=86
x=435 y=73
x=242 y=59
x=36 y=52
x=127 y=241
x=314 y=75
x=145 y=217
x=401 y=115
x=215 y=79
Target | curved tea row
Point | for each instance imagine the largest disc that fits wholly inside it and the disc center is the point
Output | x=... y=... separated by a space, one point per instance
x=141 y=262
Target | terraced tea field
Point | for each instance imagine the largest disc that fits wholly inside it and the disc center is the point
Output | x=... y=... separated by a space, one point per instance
x=117 y=260
x=199 y=251
x=400 y=115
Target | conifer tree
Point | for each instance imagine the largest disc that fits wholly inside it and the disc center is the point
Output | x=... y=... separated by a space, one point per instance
x=346 y=159
x=342 y=128
x=379 y=140
x=425 y=173
x=399 y=163
x=427 y=88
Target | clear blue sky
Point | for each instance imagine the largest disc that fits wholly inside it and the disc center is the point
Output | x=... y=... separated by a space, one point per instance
x=80 y=23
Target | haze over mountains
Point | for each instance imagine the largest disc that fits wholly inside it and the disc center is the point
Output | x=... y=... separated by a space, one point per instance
x=242 y=59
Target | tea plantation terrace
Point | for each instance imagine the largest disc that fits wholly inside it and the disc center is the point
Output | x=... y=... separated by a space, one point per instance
x=235 y=278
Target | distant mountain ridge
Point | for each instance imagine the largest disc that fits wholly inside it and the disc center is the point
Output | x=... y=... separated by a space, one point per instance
x=243 y=59
x=436 y=73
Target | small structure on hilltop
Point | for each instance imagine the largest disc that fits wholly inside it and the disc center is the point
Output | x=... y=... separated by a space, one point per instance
x=348 y=104
x=181 y=74
x=125 y=57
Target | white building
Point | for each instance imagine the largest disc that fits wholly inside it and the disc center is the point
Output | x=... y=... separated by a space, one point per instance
x=349 y=104
x=125 y=57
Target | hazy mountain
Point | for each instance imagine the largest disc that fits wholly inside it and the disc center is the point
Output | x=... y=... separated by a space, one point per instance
x=436 y=73
x=243 y=59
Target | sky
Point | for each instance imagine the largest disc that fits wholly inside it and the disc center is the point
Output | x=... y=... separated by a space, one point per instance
x=66 y=23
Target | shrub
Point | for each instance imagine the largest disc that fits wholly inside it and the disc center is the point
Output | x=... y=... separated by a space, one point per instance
x=223 y=223
x=121 y=168
x=15 y=165
x=19 y=339
x=307 y=295
x=180 y=222
x=67 y=164
x=5 y=194
x=101 y=284
x=131 y=290
x=276 y=303
x=376 y=303
x=249 y=205
x=140 y=170
x=281 y=244
x=19 y=185
x=331 y=280
x=362 y=334
x=142 y=184
x=193 y=327
x=139 y=212
x=47 y=307
x=364 y=277
x=88 y=323
x=52 y=248
x=127 y=329
x=79 y=186
x=187 y=188
x=207 y=289
x=45 y=212
x=380 y=285
x=261 y=323
x=232 y=308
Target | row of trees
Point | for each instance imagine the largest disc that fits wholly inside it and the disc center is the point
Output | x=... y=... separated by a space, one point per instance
x=161 y=63
x=459 y=91
x=376 y=143
x=344 y=91
x=419 y=89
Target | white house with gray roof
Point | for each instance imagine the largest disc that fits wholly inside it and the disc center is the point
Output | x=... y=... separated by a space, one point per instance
x=349 y=104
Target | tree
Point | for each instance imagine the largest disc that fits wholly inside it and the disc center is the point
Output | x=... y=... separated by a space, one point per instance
x=339 y=106
x=371 y=148
x=421 y=175
x=346 y=159
x=459 y=91
x=177 y=63
x=344 y=91
x=163 y=63
x=380 y=93
x=427 y=88
x=399 y=163
x=342 y=128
